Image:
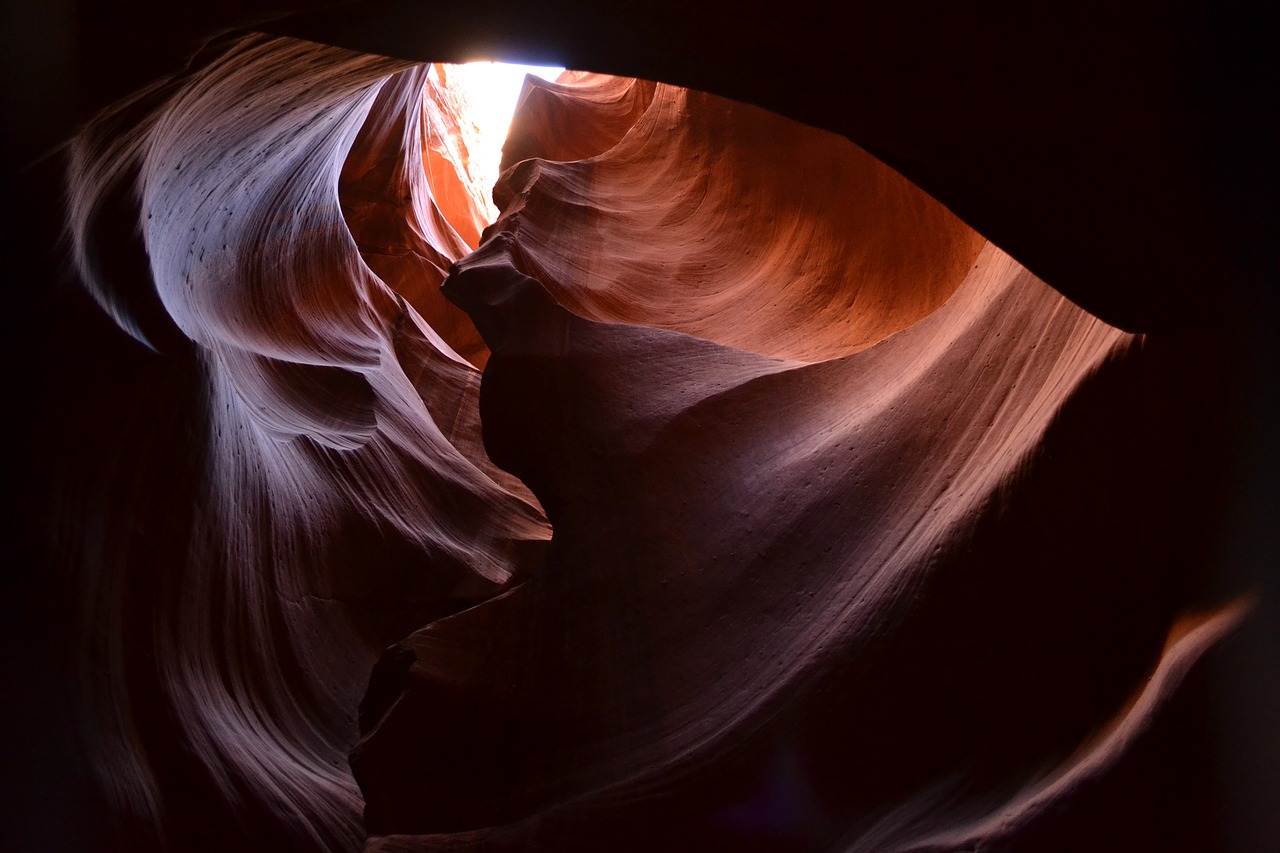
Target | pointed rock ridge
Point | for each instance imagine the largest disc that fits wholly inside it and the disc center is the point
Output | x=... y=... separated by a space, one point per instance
x=577 y=116
x=300 y=481
x=908 y=577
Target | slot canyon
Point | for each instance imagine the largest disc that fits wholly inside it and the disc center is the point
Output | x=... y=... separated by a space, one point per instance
x=856 y=431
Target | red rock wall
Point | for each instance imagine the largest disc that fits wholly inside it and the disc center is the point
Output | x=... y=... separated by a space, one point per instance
x=865 y=537
x=842 y=558
x=725 y=222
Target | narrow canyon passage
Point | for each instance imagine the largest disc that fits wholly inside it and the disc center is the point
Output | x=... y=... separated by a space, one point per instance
x=726 y=492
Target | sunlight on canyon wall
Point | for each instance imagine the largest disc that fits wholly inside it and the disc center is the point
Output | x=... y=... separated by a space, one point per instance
x=864 y=537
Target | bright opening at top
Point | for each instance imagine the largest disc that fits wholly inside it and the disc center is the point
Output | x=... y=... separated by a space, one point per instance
x=487 y=93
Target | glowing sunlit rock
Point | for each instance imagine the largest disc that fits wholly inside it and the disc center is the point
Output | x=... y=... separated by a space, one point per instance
x=485 y=96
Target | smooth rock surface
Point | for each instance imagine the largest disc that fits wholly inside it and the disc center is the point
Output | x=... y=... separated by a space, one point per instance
x=1048 y=617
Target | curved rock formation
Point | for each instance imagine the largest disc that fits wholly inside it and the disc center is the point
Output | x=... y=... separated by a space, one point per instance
x=334 y=490
x=865 y=537
x=725 y=222
x=765 y=621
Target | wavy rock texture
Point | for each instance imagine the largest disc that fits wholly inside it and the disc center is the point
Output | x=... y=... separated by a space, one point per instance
x=717 y=220
x=843 y=558
x=864 y=537
x=326 y=491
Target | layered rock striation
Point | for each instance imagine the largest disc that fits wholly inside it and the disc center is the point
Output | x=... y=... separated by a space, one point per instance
x=731 y=494
x=861 y=539
x=319 y=488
